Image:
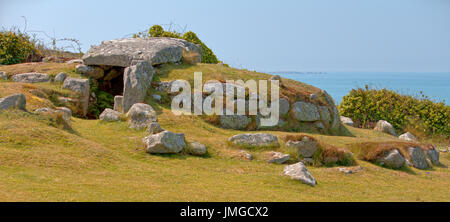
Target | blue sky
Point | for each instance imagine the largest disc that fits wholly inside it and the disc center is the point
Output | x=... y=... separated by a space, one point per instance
x=308 y=35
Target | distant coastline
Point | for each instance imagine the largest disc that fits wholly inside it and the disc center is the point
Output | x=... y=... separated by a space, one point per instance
x=338 y=84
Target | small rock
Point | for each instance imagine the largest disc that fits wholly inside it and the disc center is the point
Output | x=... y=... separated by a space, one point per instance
x=276 y=157
x=408 y=137
x=306 y=148
x=197 y=149
x=118 y=103
x=244 y=155
x=393 y=159
x=60 y=77
x=141 y=115
x=312 y=97
x=237 y=122
x=109 y=115
x=299 y=172
x=255 y=140
x=165 y=142
x=31 y=77
x=347 y=121
x=350 y=170
x=385 y=127
x=15 y=101
x=154 y=128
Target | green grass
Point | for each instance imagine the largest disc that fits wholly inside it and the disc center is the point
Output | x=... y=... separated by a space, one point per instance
x=107 y=162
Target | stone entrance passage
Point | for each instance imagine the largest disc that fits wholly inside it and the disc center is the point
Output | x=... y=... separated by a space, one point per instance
x=125 y=66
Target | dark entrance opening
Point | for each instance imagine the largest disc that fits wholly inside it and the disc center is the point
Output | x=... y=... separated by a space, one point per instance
x=112 y=82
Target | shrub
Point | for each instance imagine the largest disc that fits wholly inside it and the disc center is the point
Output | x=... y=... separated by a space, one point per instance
x=16 y=47
x=104 y=100
x=367 y=106
x=156 y=31
x=208 y=55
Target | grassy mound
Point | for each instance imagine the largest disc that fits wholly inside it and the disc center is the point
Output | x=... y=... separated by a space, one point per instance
x=96 y=161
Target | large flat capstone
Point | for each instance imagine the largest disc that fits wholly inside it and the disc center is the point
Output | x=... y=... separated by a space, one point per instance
x=122 y=52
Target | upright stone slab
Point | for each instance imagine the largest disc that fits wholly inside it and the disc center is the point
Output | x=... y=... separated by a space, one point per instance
x=137 y=80
x=118 y=103
x=80 y=86
x=15 y=101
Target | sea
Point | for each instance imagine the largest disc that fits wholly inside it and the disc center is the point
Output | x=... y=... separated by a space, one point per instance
x=338 y=84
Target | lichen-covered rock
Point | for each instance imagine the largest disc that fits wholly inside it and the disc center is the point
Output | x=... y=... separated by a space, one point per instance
x=255 y=140
x=325 y=114
x=122 y=52
x=80 y=86
x=31 y=77
x=234 y=121
x=306 y=112
x=306 y=148
x=15 y=101
x=118 y=103
x=299 y=172
x=277 y=157
x=90 y=71
x=197 y=149
x=433 y=156
x=109 y=115
x=347 y=121
x=165 y=142
x=141 y=115
x=60 y=77
x=393 y=159
x=408 y=137
x=284 y=106
x=244 y=155
x=418 y=157
x=385 y=127
x=137 y=81
x=154 y=128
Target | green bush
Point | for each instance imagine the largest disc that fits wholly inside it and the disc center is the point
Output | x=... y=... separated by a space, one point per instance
x=367 y=106
x=104 y=100
x=156 y=31
x=208 y=55
x=16 y=47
